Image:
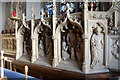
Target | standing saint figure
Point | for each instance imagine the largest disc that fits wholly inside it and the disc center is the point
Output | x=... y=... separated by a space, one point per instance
x=41 y=49
x=96 y=46
x=71 y=40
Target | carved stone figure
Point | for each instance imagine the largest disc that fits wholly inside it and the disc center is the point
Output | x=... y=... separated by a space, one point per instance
x=25 y=51
x=79 y=48
x=116 y=49
x=41 y=48
x=65 y=54
x=97 y=43
x=48 y=48
x=28 y=42
x=71 y=39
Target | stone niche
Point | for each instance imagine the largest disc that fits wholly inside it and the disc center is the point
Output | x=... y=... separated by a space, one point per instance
x=70 y=44
x=24 y=43
x=97 y=37
x=42 y=52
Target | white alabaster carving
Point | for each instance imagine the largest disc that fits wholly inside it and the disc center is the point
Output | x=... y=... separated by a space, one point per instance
x=19 y=41
x=56 y=58
x=68 y=10
x=97 y=49
x=73 y=53
x=116 y=49
x=114 y=31
x=25 y=46
x=41 y=49
x=65 y=54
x=113 y=52
x=24 y=22
x=34 y=49
x=35 y=44
x=71 y=37
x=21 y=45
x=57 y=36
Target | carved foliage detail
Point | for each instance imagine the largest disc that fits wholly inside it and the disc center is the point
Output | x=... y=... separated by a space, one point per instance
x=115 y=48
x=114 y=30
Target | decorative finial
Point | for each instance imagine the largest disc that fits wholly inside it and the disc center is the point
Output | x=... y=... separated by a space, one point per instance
x=23 y=18
x=86 y=5
x=68 y=9
x=54 y=7
x=42 y=13
x=24 y=21
x=33 y=14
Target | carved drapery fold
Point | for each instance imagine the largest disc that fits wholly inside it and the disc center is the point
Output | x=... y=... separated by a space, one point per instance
x=97 y=45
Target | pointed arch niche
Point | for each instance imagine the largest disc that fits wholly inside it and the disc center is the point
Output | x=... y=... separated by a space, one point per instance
x=98 y=46
x=24 y=46
x=43 y=44
x=70 y=44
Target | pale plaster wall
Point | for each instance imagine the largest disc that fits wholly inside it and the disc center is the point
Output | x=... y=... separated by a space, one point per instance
x=2 y=19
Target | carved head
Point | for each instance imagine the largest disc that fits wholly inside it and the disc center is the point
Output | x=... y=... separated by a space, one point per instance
x=98 y=29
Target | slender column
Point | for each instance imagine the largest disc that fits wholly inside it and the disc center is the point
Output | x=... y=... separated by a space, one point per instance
x=32 y=21
x=55 y=59
x=92 y=4
x=32 y=35
x=86 y=41
x=116 y=15
x=17 y=41
x=116 y=18
x=59 y=47
x=2 y=65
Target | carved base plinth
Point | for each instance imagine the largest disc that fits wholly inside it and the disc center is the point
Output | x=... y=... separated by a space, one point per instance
x=55 y=62
x=33 y=59
x=98 y=69
x=18 y=56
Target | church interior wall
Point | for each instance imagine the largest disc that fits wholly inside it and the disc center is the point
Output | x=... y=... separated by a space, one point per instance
x=3 y=19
